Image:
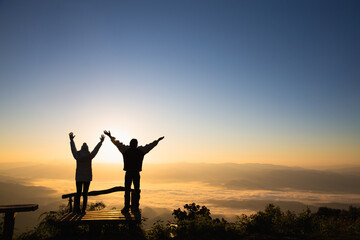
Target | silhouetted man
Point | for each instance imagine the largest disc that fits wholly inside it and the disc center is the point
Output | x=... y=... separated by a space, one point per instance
x=133 y=159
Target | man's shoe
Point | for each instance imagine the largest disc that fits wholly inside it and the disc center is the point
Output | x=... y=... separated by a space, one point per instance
x=77 y=211
x=135 y=210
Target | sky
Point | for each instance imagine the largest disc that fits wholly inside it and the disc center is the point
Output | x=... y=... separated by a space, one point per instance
x=273 y=82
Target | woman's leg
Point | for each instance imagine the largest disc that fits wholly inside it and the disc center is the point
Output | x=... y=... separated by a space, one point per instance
x=85 y=195
x=77 y=197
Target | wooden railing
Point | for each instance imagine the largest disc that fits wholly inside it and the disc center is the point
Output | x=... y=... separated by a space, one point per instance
x=93 y=193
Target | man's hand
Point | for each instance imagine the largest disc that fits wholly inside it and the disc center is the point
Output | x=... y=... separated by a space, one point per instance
x=160 y=139
x=71 y=136
x=108 y=133
x=102 y=138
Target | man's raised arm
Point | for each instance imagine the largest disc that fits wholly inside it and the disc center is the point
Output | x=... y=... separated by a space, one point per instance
x=122 y=148
x=108 y=133
x=147 y=148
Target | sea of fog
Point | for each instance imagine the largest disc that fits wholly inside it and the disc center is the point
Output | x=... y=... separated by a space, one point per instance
x=228 y=189
x=224 y=202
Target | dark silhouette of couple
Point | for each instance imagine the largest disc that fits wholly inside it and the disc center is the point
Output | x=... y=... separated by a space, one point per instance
x=133 y=156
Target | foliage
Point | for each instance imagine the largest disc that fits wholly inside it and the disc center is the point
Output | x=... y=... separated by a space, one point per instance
x=96 y=206
x=191 y=212
x=338 y=224
x=272 y=221
x=1 y=226
x=159 y=231
x=195 y=222
x=46 y=229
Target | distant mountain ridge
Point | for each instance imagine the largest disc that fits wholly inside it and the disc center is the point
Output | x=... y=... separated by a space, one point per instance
x=250 y=176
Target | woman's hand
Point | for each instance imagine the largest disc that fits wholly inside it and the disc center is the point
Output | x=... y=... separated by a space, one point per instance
x=102 y=137
x=108 y=133
x=71 y=136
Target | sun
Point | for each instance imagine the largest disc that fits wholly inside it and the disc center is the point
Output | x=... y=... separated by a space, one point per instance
x=108 y=152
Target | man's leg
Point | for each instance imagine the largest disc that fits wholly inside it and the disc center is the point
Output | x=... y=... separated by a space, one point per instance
x=135 y=198
x=77 y=197
x=127 y=192
x=85 y=195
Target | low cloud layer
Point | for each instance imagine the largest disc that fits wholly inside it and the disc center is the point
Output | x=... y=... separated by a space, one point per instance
x=227 y=189
x=256 y=205
x=260 y=177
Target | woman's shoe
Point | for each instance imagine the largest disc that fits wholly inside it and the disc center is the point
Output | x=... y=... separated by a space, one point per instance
x=125 y=210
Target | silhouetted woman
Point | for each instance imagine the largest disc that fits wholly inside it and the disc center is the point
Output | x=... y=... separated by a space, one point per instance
x=83 y=170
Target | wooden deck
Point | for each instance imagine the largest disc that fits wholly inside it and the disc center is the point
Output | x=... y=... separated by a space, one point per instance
x=102 y=216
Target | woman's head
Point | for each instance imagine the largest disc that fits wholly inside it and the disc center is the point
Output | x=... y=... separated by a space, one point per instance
x=84 y=147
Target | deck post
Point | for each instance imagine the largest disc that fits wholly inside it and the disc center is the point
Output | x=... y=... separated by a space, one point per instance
x=9 y=222
x=70 y=204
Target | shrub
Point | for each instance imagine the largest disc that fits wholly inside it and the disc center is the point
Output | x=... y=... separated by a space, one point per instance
x=160 y=232
x=195 y=222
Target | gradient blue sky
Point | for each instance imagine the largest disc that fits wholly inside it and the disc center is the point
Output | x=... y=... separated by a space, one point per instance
x=224 y=81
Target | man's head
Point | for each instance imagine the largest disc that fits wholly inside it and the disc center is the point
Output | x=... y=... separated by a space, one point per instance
x=84 y=147
x=133 y=143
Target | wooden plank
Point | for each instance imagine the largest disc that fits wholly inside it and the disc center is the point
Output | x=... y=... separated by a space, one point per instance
x=105 y=216
x=18 y=208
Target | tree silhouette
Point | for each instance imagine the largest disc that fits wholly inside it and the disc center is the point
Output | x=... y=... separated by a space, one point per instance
x=191 y=211
x=195 y=222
